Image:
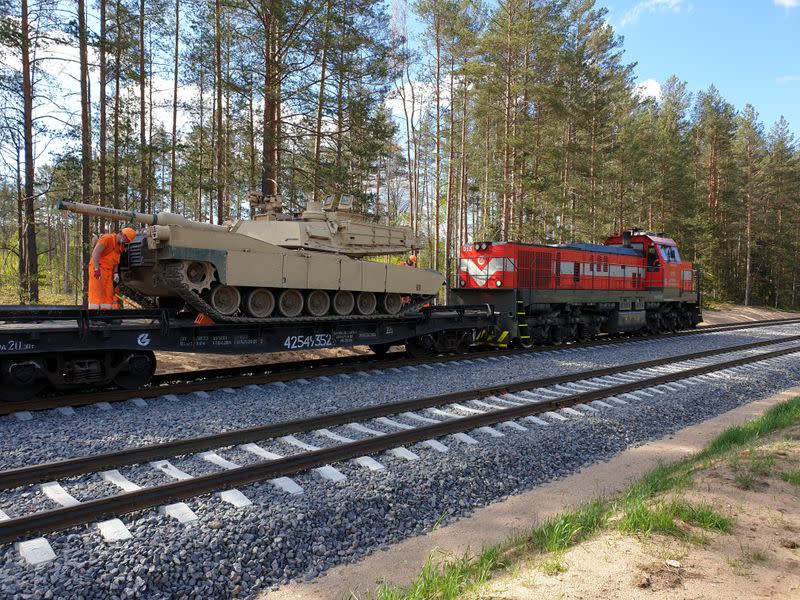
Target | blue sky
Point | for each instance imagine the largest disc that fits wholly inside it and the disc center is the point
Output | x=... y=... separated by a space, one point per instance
x=749 y=49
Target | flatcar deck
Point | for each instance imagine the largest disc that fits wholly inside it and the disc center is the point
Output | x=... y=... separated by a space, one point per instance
x=67 y=329
x=69 y=347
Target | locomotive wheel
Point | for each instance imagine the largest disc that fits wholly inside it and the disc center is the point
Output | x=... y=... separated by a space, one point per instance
x=343 y=302
x=318 y=303
x=391 y=303
x=138 y=370
x=525 y=343
x=366 y=303
x=290 y=303
x=225 y=299
x=259 y=303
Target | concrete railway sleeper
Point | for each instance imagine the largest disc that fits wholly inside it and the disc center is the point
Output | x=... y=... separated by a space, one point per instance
x=505 y=408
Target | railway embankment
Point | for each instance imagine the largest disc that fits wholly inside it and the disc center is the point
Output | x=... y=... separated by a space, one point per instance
x=697 y=514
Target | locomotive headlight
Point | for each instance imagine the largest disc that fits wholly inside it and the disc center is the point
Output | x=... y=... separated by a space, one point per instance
x=484 y=246
x=498 y=283
x=462 y=282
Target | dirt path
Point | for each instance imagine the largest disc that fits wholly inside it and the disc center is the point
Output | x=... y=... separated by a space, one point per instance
x=735 y=313
x=492 y=524
x=759 y=558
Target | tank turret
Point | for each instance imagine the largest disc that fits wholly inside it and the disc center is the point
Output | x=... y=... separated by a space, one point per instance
x=325 y=226
x=274 y=265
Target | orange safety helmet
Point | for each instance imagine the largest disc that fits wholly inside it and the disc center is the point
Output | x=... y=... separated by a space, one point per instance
x=129 y=234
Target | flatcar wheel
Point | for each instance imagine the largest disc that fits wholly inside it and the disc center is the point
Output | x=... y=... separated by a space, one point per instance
x=420 y=347
x=290 y=303
x=318 y=303
x=391 y=303
x=21 y=381
x=137 y=370
x=343 y=302
x=259 y=303
x=225 y=299
x=366 y=303
x=380 y=349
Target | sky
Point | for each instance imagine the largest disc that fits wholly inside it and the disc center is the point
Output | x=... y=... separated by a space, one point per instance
x=748 y=49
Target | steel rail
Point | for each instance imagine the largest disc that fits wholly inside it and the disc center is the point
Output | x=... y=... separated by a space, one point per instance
x=20 y=476
x=62 y=518
x=212 y=379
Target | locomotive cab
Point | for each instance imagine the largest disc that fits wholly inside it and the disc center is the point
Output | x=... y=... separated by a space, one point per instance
x=665 y=269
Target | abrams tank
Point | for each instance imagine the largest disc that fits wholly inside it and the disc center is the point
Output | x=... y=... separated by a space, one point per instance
x=275 y=265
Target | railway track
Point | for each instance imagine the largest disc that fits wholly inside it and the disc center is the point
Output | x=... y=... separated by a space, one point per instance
x=557 y=398
x=233 y=377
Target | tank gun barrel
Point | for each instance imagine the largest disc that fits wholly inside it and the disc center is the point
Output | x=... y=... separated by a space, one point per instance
x=116 y=214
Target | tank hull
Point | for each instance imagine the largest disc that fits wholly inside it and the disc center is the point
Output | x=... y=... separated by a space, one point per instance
x=242 y=261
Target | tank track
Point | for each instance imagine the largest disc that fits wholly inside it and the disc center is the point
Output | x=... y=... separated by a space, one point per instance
x=174 y=278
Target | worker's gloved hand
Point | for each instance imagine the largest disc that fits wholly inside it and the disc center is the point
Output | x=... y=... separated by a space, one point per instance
x=97 y=273
x=116 y=277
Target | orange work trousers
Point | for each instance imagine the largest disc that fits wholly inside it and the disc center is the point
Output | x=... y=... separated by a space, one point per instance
x=101 y=291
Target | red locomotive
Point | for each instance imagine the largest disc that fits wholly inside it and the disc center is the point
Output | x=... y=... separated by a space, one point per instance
x=635 y=281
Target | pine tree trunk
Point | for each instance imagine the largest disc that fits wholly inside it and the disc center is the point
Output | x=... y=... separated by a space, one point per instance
x=86 y=139
x=507 y=197
x=438 y=159
x=268 y=174
x=449 y=225
x=30 y=279
x=321 y=101
x=172 y=199
x=748 y=278
x=103 y=150
x=220 y=180
x=117 y=70
x=142 y=115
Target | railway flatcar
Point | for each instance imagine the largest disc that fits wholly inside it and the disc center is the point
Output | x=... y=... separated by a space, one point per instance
x=544 y=294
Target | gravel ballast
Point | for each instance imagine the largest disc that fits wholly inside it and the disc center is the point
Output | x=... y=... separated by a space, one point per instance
x=238 y=552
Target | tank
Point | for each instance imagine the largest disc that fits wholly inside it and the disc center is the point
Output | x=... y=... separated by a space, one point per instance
x=273 y=266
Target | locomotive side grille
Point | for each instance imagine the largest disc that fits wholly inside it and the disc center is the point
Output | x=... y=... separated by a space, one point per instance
x=544 y=261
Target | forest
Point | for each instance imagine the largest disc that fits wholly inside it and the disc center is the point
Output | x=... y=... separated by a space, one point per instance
x=465 y=120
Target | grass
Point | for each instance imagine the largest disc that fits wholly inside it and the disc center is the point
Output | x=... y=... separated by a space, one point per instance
x=641 y=513
x=644 y=518
x=793 y=477
x=750 y=465
x=47 y=295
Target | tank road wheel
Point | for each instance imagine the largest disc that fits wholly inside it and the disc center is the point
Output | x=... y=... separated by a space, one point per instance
x=391 y=303
x=259 y=303
x=290 y=303
x=343 y=302
x=224 y=299
x=318 y=303
x=366 y=303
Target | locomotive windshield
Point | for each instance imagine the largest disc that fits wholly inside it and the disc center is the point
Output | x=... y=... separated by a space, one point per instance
x=670 y=253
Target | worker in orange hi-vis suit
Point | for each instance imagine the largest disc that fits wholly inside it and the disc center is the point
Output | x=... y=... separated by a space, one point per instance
x=104 y=268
